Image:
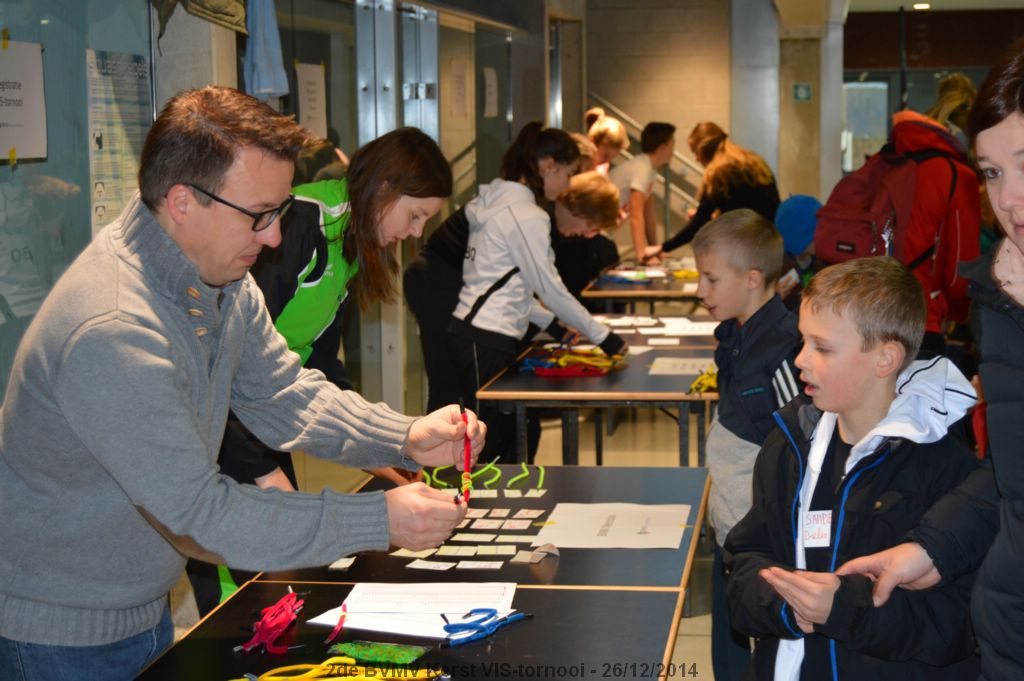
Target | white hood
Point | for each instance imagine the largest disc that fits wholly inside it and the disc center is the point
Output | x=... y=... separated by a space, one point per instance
x=931 y=395
x=495 y=197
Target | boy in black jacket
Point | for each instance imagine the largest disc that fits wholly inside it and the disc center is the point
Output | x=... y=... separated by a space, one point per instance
x=849 y=475
x=739 y=258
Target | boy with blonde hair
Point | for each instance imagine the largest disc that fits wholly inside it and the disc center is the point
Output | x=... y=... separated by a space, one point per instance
x=739 y=258
x=848 y=475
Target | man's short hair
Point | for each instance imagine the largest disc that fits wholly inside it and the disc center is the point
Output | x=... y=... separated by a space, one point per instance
x=654 y=135
x=198 y=134
x=879 y=295
x=746 y=240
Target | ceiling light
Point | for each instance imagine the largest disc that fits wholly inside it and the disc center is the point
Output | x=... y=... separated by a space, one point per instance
x=922 y=5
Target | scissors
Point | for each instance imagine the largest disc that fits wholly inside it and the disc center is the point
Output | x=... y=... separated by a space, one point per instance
x=485 y=623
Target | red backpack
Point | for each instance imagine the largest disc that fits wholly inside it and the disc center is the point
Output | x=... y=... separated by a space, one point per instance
x=869 y=210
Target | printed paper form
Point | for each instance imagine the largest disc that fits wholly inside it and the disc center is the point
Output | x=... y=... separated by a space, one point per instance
x=415 y=609
x=679 y=366
x=615 y=526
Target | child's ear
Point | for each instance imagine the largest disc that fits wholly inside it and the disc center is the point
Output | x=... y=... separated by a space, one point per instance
x=890 y=358
x=755 y=279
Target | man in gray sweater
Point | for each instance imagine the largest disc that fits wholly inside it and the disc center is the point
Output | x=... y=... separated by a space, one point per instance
x=118 y=398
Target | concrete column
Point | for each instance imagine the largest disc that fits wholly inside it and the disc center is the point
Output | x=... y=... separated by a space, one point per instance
x=193 y=52
x=810 y=94
x=754 y=109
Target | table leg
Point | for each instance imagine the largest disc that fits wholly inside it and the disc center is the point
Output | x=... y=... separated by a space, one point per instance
x=571 y=436
x=684 y=433
x=521 y=436
x=598 y=437
x=701 y=409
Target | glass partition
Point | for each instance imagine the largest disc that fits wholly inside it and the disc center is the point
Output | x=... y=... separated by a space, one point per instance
x=92 y=51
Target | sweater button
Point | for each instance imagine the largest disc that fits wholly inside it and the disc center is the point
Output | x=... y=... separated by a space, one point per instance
x=201 y=331
x=194 y=312
x=194 y=293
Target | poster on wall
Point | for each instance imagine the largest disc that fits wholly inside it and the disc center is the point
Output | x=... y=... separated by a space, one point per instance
x=312 y=88
x=22 y=104
x=120 y=114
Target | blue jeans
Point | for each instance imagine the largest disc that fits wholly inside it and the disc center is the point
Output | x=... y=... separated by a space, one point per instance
x=122 y=659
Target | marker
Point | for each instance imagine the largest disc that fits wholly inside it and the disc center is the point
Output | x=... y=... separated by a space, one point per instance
x=467 y=454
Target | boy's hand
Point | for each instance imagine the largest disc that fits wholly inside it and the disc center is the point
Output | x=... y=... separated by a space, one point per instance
x=810 y=594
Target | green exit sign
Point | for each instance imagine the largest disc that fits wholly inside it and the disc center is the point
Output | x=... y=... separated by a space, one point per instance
x=801 y=92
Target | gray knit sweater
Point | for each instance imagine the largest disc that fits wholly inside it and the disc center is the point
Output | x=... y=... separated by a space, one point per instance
x=116 y=406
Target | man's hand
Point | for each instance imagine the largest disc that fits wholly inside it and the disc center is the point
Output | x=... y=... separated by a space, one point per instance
x=906 y=565
x=436 y=439
x=810 y=594
x=420 y=517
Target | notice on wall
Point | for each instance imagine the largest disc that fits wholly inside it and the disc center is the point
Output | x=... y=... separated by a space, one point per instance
x=460 y=89
x=120 y=114
x=490 y=92
x=22 y=103
x=312 y=97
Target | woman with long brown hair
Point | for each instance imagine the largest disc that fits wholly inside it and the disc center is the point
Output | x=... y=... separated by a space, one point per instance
x=734 y=177
x=336 y=233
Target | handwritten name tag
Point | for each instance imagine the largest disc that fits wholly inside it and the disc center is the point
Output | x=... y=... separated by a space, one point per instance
x=817 y=529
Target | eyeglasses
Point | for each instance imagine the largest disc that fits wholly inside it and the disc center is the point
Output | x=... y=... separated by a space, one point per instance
x=261 y=220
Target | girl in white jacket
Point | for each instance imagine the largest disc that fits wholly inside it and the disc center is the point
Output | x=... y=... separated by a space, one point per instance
x=509 y=260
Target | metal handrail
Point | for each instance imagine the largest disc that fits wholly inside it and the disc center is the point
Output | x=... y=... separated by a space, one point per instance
x=687 y=162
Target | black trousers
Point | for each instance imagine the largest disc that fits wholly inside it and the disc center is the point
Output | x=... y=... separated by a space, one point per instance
x=432 y=290
x=476 y=364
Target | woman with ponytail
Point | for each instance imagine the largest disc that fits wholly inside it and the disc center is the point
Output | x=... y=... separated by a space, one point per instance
x=508 y=261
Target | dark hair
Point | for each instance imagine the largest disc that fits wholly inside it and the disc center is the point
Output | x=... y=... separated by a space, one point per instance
x=654 y=135
x=198 y=134
x=1001 y=94
x=535 y=142
x=312 y=158
x=405 y=162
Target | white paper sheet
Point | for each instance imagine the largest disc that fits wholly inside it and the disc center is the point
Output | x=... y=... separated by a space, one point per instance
x=639 y=275
x=663 y=341
x=615 y=526
x=415 y=609
x=640 y=349
x=679 y=366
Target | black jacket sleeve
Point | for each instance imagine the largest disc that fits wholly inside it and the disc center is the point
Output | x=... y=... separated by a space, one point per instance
x=931 y=626
x=959 y=529
x=705 y=209
x=754 y=606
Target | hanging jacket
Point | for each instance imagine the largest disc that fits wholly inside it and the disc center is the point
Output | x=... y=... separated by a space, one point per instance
x=949 y=222
x=893 y=475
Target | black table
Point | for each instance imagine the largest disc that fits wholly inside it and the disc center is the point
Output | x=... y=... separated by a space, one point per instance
x=598 y=614
x=630 y=386
x=609 y=289
x=574 y=634
x=574 y=567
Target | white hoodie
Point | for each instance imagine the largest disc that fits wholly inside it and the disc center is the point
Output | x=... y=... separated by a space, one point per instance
x=507 y=229
x=931 y=395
